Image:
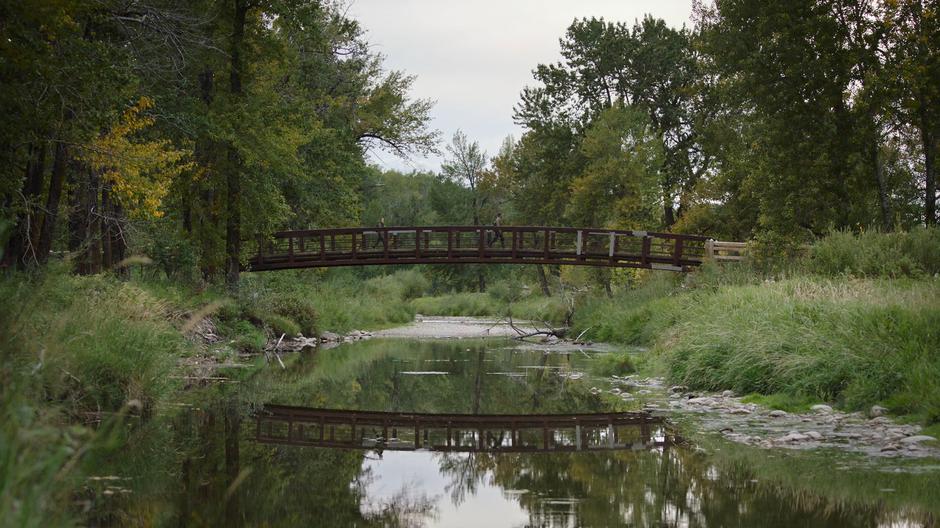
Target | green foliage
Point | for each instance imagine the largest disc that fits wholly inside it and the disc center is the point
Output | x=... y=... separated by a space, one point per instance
x=469 y=304
x=74 y=350
x=619 y=184
x=871 y=254
x=802 y=338
x=535 y=308
x=95 y=343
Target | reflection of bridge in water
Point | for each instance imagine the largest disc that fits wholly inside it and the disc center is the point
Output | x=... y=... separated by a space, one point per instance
x=281 y=424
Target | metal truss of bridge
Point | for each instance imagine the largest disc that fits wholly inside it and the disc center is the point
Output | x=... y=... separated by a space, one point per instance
x=300 y=426
x=479 y=245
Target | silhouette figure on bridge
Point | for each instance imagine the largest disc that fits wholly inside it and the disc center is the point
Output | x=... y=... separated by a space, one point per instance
x=380 y=235
x=497 y=232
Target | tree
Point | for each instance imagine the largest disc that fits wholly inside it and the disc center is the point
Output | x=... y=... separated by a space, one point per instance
x=618 y=186
x=465 y=165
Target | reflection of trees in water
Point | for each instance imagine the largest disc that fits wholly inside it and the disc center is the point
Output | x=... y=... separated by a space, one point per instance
x=404 y=509
x=674 y=487
x=372 y=379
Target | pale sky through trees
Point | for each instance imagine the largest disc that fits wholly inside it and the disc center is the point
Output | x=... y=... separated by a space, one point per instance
x=474 y=57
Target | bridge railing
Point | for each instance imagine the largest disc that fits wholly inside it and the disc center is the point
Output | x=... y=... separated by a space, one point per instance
x=474 y=244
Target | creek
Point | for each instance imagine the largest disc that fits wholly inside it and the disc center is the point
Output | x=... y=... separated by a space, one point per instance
x=202 y=465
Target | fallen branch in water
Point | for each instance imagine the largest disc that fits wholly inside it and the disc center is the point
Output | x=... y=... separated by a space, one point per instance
x=524 y=334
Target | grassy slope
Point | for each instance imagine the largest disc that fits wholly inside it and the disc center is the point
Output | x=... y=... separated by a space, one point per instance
x=858 y=323
x=76 y=350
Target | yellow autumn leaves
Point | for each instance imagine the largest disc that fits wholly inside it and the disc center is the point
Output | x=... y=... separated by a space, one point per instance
x=139 y=171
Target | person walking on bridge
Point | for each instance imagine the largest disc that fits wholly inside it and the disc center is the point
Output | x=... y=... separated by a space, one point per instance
x=497 y=232
x=380 y=233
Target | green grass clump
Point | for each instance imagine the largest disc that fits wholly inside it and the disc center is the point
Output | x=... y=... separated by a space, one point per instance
x=73 y=351
x=872 y=254
x=856 y=342
x=91 y=343
x=467 y=303
x=472 y=304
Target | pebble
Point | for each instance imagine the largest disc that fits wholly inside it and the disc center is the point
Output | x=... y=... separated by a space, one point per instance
x=821 y=408
x=777 y=413
x=727 y=394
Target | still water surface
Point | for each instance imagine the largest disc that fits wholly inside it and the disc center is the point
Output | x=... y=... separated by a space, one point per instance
x=207 y=469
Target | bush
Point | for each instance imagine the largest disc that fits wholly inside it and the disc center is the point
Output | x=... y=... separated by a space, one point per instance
x=469 y=304
x=94 y=343
x=872 y=254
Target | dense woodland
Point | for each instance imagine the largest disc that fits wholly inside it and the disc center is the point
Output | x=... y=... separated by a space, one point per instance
x=184 y=130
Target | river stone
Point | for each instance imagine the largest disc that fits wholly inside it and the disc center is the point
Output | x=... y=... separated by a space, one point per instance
x=876 y=411
x=329 y=336
x=793 y=436
x=678 y=388
x=820 y=408
x=815 y=435
x=916 y=439
x=704 y=400
x=777 y=414
x=739 y=410
x=727 y=394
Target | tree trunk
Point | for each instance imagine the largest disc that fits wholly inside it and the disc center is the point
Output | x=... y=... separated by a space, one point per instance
x=669 y=214
x=21 y=249
x=92 y=212
x=930 y=177
x=886 y=222
x=233 y=187
x=543 y=280
x=49 y=224
x=76 y=219
x=107 y=257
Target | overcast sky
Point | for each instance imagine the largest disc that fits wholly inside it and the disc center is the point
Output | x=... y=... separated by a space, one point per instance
x=474 y=57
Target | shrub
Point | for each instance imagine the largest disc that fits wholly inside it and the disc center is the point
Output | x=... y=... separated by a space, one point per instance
x=872 y=254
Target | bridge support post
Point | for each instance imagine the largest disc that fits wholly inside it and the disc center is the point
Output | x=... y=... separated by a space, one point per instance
x=677 y=253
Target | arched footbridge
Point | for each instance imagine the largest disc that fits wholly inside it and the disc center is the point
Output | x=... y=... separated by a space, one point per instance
x=316 y=248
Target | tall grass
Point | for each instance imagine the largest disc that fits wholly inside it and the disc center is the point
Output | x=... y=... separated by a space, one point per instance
x=857 y=322
x=871 y=254
x=73 y=351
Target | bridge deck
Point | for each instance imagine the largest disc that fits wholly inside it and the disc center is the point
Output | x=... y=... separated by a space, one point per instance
x=478 y=245
x=281 y=424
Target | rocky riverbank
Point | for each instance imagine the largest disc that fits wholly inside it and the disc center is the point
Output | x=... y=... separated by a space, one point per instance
x=822 y=427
